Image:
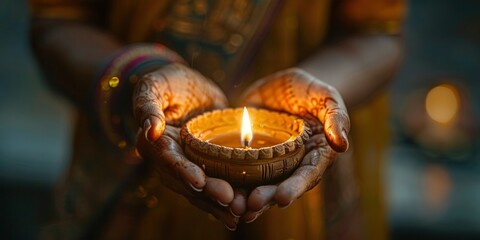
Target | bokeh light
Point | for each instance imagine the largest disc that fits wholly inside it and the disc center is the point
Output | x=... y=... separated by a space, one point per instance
x=442 y=103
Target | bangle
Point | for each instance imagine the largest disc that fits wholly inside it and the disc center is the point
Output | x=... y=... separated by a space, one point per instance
x=114 y=90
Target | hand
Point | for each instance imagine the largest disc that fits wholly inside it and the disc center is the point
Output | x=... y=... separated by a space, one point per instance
x=297 y=92
x=162 y=101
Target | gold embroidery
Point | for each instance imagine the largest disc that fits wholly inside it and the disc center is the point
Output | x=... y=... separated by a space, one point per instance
x=214 y=31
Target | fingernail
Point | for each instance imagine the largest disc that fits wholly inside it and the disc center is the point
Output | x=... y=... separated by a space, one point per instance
x=233 y=214
x=222 y=204
x=345 y=138
x=146 y=128
x=231 y=228
x=195 y=189
x=344 y=135
x=288 y=205
x=265 y=208
x=253 y=219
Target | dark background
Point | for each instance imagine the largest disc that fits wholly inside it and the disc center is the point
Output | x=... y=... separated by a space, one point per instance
x=34 y=131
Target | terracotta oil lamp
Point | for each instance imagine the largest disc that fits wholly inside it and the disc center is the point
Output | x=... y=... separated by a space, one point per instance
x=247 y=151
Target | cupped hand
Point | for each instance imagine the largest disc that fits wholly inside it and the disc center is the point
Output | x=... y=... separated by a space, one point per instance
x=321 y=106
x=162 y=101
x=167 y=165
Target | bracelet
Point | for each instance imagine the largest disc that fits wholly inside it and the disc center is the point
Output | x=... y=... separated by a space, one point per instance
x=114 y=90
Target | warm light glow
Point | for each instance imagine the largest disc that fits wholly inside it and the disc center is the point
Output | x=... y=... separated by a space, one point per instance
x=442 y=103
x=246 y=133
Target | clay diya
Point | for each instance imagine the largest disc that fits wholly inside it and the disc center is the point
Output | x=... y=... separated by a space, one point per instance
x=265 y=151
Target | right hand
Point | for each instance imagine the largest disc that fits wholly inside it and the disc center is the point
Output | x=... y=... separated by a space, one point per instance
x=162 y=101
x=297 y=92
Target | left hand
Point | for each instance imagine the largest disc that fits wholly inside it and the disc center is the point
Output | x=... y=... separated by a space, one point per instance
x=163 y=100
x=297 y=92
x=167 y=165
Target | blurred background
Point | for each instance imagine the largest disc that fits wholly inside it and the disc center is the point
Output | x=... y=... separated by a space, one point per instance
x=34 y=131
x=432 y=170
x=433 y=164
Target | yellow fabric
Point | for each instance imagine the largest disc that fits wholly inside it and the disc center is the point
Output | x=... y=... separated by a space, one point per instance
x=371 y=120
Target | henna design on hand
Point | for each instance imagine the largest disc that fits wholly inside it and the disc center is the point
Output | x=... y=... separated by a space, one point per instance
x=171 y=95
x=162 y=101
x=320 y=105
x=300 y=93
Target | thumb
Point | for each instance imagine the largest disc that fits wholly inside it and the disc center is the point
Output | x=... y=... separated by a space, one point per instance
x=148 y=107
x=336 y=126
x=153 y=128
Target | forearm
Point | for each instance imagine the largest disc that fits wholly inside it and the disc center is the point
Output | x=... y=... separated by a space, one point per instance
x=356 y=67
x=71 y=54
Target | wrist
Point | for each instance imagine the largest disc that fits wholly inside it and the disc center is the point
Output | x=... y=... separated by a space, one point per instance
x=114 y=89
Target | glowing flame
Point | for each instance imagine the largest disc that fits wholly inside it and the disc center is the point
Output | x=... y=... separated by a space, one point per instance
x=442 y=103
x=246 y=133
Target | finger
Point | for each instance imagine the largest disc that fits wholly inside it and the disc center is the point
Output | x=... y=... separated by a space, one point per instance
x=305 y=177
x=251 y=216
x=201 y=201
x=220 y=213
x=148 y=105
x=336 y=125
x=219 y=190
x=171 y=181
x=328 y=106
x=260 y=197
x=259 y=201
x=166 y=152
x=238 y=206
x=153 y=128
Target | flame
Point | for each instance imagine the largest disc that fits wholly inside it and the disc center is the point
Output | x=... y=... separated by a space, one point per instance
x=246 y=133
x=442 y=103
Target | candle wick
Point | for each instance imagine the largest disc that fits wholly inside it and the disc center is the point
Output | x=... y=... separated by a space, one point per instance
x=246 y=143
